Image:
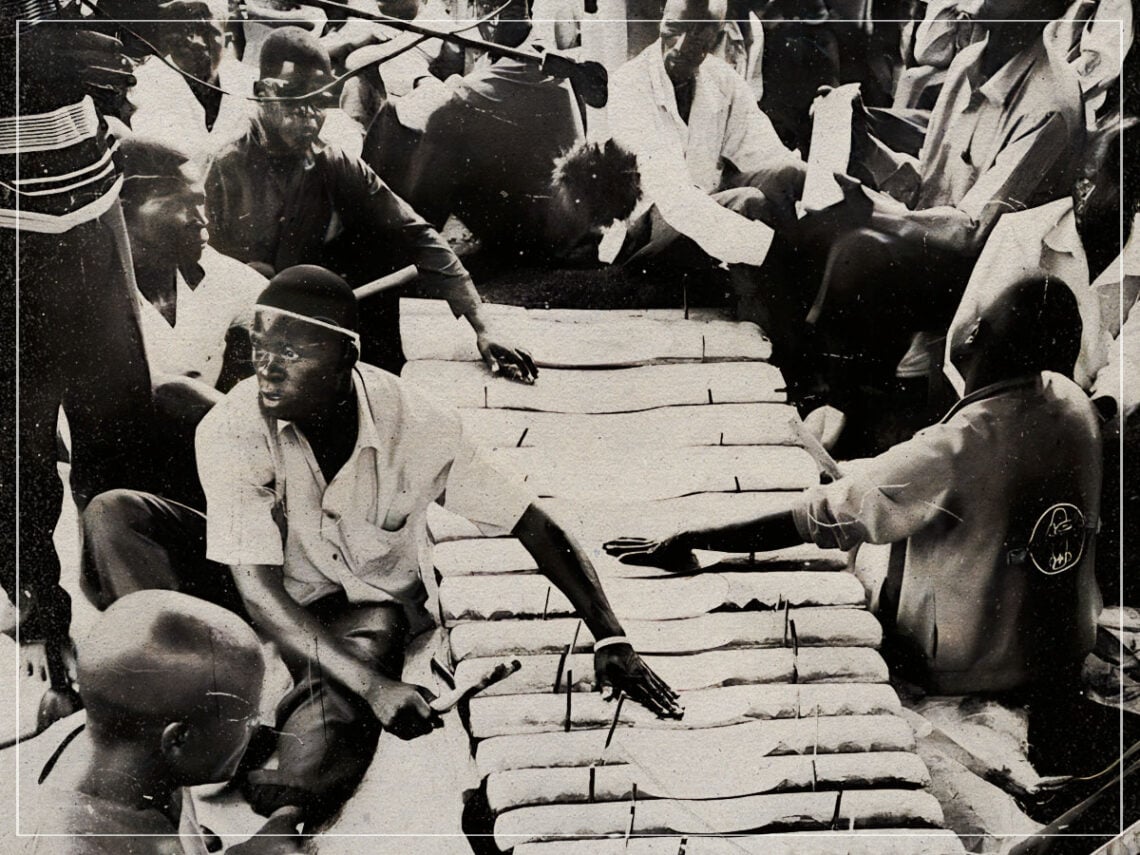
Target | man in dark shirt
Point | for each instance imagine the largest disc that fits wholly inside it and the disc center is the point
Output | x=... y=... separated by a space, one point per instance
x=276 y=197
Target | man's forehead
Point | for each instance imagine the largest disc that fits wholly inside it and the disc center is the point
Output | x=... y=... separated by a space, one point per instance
x=695 y=10
x=270 y=321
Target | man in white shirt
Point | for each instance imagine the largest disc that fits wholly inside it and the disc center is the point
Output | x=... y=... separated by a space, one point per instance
x=318 y=475
x=169 y=104
x=195 y=306
x=712 y=168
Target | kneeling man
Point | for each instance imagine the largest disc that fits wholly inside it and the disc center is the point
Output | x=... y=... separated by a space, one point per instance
x=318 y=474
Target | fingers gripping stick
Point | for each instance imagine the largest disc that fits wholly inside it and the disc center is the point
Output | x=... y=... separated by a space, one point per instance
x=448 y=701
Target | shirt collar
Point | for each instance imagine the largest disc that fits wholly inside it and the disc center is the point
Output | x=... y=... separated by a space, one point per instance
x=367 y=435
x=1001 y=85
x=993 y=390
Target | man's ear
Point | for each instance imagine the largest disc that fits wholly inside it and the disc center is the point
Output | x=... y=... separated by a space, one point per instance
x=260 y=90
x=174 y=738
x=351 y=355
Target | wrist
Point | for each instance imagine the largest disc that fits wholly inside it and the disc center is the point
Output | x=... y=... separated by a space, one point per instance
x=610 y=641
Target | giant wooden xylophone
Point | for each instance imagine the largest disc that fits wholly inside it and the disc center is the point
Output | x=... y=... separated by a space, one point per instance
x=792 y=740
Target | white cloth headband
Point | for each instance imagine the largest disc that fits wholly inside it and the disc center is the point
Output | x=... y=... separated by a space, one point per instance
x=355 y=336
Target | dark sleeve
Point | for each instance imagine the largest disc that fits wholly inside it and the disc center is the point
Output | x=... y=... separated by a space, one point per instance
x=372 y=205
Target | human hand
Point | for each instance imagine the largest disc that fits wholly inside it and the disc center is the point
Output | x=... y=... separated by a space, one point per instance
x=55 y=705
x=403 y=709
x=620 y=668
x=512 y=362
x=58 y=54
x=278 y=836
x=669 y=553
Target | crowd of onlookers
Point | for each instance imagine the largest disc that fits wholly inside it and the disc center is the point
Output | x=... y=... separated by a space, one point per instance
x=890 y=189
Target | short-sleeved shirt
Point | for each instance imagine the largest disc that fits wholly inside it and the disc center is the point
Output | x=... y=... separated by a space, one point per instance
x=195 y=344
x=997 y=504
x=365 y=532
x=681 y=162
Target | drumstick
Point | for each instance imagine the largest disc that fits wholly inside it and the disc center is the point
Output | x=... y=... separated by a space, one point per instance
x=808 y=441
x=473 y=686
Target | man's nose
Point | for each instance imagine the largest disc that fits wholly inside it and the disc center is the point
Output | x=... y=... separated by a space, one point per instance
x=269 y=365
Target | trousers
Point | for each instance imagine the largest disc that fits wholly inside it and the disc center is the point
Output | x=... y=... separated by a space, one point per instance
x=136 y=541
x=327 y=734
x=80 y=345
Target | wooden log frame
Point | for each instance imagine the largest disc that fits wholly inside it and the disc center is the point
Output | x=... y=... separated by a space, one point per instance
x=472 y=598
x=660 y=473
x=576 y=338
x=493 y=556
x=780 y=737
x=816 y=627
x=876 y=842
x=467 y=385
x=670 y=427
x=699 y=774
x=707 y=670
x=775 y=812
x=704 y=708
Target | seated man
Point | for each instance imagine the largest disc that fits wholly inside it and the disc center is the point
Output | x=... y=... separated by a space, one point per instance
x=487 y=153
x=996 y=505
x=172 y=687
x=710 y=162
x=318 y=475
x=195 y=305
x=276 y=198
x=1006 y=134
x=173 y=107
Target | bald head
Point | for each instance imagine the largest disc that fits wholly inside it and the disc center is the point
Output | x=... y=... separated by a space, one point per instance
x=689 y=31
x=1030 y=326
x=156 y=657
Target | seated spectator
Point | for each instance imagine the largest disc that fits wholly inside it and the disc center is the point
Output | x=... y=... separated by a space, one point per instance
x=275 y=198
x=318 y=475
x=1006 y=134
x=997 y=507
x=483 y=148
x=177 y=109
x=558 y=23
x=172 y=687
x=195 y=305
x=712 y=168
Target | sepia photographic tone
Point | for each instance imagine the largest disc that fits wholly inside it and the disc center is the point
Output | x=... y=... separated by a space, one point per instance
x=570 y=427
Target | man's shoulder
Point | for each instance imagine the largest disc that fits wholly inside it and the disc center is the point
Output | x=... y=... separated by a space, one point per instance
x=237 y=413
x=413 y=404
x=235 y=147
x=232 y=275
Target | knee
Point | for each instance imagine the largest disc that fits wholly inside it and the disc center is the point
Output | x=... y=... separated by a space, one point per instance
x=111 y=512
x=858 y=258
x=746 y=201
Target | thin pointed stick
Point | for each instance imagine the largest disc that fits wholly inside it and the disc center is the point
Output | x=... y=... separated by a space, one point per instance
x=613 y=724
x=569 y=697
x=518 y=444
x=546 y=605
x=632 y=814
x=787 y=607
x=838 y=808
x=593 y=778
x=564 y=658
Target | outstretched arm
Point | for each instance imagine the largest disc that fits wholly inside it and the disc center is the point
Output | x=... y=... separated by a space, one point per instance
x=562 y=560
x=771 y=531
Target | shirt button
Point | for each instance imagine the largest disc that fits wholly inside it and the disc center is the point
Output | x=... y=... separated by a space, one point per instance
x=336 y=557
x=332 y=515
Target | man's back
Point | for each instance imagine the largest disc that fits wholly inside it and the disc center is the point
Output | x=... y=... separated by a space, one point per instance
x=997 y=504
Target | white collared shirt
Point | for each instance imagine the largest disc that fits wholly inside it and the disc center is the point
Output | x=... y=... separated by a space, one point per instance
x=365 y=532
x=166 y=109
x=682 y=163
x=194 y=346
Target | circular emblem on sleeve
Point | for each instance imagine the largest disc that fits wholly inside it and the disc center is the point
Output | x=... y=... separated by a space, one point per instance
x=1058 y=539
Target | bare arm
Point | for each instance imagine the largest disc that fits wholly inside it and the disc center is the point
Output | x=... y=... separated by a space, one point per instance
x=561 y=559
x=401 y=708
x=762 y=534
